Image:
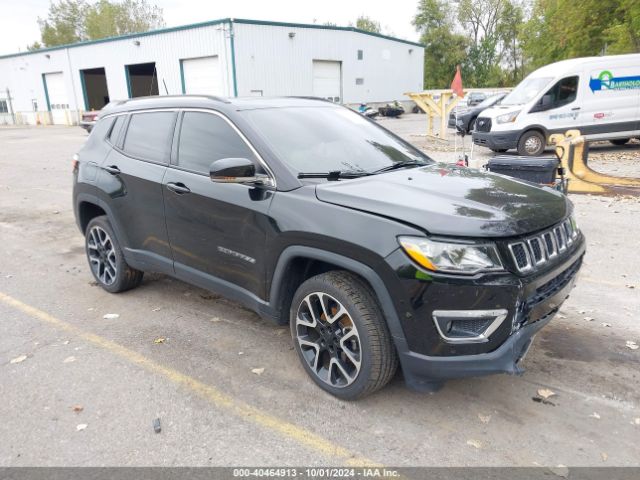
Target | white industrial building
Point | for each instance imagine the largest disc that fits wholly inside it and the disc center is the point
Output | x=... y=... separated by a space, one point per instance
x=229 y=57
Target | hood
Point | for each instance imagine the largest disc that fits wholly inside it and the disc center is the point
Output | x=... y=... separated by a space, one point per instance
x=448 y=200
x=493 y=112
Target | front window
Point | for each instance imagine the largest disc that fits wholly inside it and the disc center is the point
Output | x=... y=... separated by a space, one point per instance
x=563 y=92
x=526 y=91
x=325 y=139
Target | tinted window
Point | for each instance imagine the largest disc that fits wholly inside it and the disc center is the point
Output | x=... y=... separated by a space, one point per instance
x=563 y=92
x=204 y=138
x=99 y=131
x=324 y=139
x=149 y=136
x=117 y=128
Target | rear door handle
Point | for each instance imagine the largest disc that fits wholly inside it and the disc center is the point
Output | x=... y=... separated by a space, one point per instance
x=112 y=169
x=179 y=188
x=575 y=108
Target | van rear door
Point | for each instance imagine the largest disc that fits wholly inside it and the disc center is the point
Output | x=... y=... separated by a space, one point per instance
x=612 y=100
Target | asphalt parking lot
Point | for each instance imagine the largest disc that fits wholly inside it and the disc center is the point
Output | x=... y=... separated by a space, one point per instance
x=79 y=389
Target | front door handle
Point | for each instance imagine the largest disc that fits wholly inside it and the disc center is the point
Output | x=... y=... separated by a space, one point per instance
x=179 y=188
x=575 y=108
x=112 y=169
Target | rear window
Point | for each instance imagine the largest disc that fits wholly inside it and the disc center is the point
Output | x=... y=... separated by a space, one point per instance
x=114 y=135
x=149 y=136
x=99 y=131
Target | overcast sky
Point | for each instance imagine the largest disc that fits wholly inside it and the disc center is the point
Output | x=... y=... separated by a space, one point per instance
x=19 y=17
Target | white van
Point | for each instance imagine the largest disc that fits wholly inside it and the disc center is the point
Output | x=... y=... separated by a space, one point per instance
x=600 y=96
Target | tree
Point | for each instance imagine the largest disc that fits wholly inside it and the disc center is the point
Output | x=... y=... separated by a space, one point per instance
x=64 y=23
x=70 y=21
x=443 y=48
x=108 y=19
x=557 y=30
x=368 y=25
x=492 y=27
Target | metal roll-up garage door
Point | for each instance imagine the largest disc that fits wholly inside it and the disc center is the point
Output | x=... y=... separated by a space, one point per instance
x=202 y=76
x=57 y=95
x=327 y=80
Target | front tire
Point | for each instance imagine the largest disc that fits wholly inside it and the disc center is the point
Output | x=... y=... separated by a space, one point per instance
x=106 y=260
x=341 y=336
x=532 y=143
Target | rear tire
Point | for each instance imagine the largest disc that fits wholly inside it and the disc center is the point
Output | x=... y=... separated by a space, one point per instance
x=341 y=335
x=620 y=141
x=532 y=143
x=106 y=260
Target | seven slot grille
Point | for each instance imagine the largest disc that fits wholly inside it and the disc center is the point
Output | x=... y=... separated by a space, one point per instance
x=539 y=249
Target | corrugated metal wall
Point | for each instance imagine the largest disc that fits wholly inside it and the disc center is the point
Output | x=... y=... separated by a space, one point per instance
x=268 y=61
x=23 y=74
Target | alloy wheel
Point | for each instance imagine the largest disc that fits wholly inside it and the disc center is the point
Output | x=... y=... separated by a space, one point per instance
x=328 y=339
x=102 y=255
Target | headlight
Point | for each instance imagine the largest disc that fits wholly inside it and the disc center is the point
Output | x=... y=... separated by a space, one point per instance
x=449 y=257
x=508 y=117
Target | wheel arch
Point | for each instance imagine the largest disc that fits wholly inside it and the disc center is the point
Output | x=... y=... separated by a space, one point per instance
x=296 y=263
x=88 y=206
x=536 y=127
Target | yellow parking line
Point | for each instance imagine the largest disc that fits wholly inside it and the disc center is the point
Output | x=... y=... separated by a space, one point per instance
x=244 y=411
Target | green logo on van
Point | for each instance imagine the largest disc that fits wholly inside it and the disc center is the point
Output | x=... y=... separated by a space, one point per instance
x=606 y=81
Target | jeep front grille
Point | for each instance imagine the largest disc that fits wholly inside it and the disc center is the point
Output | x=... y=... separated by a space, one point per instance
x=537 y=250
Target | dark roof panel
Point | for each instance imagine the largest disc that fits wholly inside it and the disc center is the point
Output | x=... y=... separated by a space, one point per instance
x=205 y=101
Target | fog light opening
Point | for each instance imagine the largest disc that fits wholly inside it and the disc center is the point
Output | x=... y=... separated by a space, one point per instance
x=467 y=326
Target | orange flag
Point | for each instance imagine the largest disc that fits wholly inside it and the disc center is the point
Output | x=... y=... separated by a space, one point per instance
x=456 y=85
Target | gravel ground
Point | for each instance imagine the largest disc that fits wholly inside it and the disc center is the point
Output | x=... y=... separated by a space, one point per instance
x=58 y=352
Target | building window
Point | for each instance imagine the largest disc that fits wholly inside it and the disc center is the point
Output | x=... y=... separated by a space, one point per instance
x=4 y=108
x=360 y=54
x=359 y=81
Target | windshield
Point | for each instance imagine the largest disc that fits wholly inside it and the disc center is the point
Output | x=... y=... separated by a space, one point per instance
x=526 y=90
x=325 y=139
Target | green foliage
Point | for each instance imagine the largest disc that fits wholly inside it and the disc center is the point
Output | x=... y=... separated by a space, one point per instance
x=368 y=25
x=482 y=37
x=64 y=23
x=107 y=19
x=443 y=49
x=70 y=21
x=561 y=29
x=34 y=46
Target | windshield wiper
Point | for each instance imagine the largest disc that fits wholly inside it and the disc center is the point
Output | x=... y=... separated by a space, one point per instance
x=403 y=164
x=335 y=175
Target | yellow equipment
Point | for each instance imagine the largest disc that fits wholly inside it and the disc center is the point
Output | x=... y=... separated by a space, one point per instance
x=570 y=149
x=435 y=108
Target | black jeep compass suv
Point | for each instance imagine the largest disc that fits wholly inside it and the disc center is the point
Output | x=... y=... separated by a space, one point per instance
x=312 y=215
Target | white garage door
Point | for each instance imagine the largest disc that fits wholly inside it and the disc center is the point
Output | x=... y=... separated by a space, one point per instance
x=202 y=76
x=327 y=80
x=58 y=101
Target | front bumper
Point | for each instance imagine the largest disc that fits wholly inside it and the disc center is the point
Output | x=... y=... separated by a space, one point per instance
x=531 y=301
x=507 y=140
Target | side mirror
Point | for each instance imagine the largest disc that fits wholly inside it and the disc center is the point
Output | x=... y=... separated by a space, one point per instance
x=234 y=170
x=543 y=104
